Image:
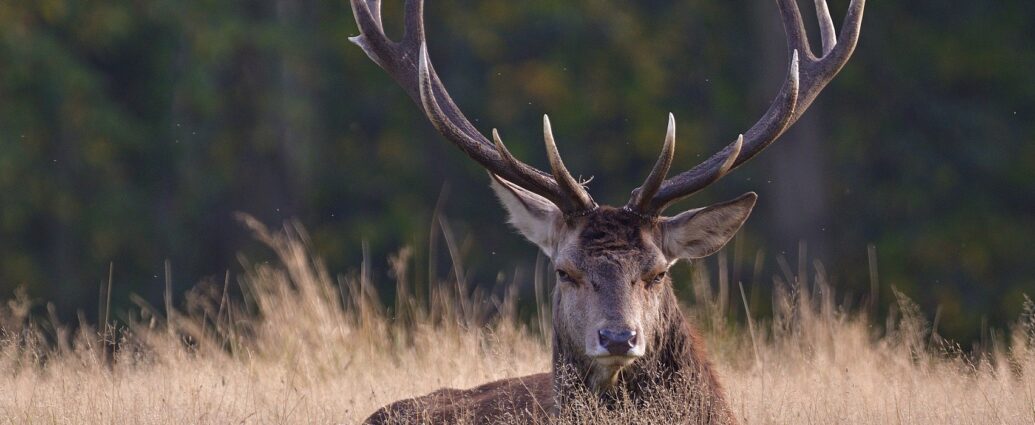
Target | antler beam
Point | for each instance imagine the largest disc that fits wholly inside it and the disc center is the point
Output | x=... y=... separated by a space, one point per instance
x=805 y=80
x=407 y=62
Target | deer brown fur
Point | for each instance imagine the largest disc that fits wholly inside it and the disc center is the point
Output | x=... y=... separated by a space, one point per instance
x=526 y=399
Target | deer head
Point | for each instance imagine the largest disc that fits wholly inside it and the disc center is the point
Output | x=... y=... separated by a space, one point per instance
x=614 y=293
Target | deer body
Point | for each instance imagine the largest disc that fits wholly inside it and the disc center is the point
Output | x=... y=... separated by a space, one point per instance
x=672 y=356
x=527 y=399
x=680 y=360
x=618 y=332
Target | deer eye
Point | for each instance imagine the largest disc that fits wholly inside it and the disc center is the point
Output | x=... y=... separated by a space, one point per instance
x=564 y=276
x=658 y=278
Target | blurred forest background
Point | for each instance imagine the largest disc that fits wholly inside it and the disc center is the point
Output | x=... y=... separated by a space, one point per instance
x=130 y=132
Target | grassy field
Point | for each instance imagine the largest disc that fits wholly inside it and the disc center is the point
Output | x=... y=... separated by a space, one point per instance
x=296 y=349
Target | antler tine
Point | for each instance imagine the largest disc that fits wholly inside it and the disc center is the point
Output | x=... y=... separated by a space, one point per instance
x=408 y=64
x=413 y=19
x=826 y=27
x=571 y=187
x=641 y=197
x=817 y=72
x=804 y=82
x=371 y=38
x=775 y=120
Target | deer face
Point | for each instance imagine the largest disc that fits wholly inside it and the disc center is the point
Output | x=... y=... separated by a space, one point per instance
x=612 y=269
x=610 y=278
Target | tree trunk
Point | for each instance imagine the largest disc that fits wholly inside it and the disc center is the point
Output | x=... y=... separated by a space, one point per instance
x=797 y=194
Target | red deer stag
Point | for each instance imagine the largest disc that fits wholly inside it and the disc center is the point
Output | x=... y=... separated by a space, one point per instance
x=618 y=331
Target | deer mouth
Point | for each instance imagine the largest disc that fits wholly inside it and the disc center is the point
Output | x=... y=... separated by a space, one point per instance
x=615 y=362
x=607 y=359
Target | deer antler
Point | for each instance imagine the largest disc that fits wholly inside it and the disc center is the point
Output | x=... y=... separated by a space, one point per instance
x=408 y=64
x=805 y=80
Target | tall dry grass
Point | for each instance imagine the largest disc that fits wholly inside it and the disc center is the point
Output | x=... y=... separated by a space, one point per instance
x=303 y=347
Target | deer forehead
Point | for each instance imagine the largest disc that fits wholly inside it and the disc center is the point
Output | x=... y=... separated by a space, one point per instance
x=610 y=240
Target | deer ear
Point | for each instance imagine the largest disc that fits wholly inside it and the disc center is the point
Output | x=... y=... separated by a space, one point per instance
x=701 y=232
x=535 y=217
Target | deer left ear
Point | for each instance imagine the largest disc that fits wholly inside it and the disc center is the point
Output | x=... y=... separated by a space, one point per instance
x=702 y=232
x=536 y=218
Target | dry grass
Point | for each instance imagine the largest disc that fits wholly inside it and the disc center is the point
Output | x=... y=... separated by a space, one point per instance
x=297 y=349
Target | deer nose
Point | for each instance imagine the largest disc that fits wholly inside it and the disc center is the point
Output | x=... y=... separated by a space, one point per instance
x=619 y=342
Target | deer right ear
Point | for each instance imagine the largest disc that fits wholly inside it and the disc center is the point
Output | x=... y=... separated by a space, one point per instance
x=701 y=232
x=535 y=217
